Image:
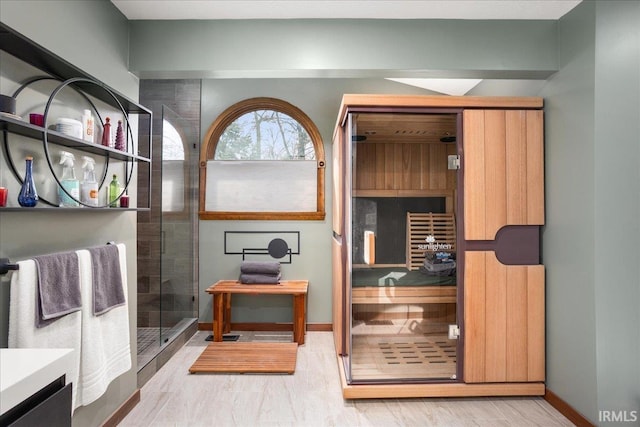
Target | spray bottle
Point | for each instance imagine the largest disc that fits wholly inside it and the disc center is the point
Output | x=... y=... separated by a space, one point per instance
x=68 y=181
x=89 y=185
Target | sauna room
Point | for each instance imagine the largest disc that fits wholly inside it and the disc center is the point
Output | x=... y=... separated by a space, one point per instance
x=438 y=287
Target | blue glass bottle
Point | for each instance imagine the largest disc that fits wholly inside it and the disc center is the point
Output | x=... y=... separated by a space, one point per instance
x=28 y=196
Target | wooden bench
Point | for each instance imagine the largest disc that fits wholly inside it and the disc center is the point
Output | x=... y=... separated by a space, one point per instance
x=223 y=289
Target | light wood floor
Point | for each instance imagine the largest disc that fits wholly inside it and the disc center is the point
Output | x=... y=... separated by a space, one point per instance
x=310 y=397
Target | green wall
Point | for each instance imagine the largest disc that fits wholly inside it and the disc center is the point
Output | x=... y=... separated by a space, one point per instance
x=591 y=253
x=617 y=205
x=568 y=238
x=343 y=48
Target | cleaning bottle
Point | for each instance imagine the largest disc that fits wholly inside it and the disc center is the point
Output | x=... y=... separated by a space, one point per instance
x=68 y=181
x=89 y=185
x=114 y=192
x=87 y=126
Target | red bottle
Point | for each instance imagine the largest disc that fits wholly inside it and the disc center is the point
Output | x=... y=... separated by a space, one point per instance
x=106 y=133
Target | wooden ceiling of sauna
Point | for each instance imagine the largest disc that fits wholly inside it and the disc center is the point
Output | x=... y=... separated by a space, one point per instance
x=406 y=128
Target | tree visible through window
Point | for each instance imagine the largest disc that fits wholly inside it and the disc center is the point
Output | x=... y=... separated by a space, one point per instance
x=262 y=158
x=265 y=135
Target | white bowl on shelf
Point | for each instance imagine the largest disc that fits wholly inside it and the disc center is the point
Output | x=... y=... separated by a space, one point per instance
x=69 y=127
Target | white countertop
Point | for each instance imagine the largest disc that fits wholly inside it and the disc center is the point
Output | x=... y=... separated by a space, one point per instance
x=24 y=371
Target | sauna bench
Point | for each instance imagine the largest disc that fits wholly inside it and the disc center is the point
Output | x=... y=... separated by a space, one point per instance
x=223 y=289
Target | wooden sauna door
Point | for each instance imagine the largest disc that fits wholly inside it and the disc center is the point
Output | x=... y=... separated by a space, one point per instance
x=503 y=304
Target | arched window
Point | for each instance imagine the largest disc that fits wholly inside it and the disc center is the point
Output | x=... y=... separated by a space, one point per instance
x=262 y=158
x=173 y=169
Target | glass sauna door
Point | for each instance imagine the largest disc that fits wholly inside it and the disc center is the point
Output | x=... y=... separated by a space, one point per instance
x=402 y=266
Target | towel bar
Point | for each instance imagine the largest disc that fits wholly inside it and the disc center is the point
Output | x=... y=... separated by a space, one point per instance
x=5 y=266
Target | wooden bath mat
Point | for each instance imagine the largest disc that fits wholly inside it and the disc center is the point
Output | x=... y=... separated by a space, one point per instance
x=247 y=357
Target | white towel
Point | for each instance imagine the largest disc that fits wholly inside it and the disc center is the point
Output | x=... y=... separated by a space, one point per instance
x=63 y=333
x=106 y=353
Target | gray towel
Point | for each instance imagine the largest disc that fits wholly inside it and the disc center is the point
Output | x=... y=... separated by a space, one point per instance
x=260 y=267
x=107 y=279
x=260 y=279
x=58 y=287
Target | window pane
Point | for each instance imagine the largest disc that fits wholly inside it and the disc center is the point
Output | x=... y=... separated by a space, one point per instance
x=265 y=135
x=261 y=186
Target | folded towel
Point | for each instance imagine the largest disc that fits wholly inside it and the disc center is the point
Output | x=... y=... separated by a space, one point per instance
x=260 y=279
x=58 y=286
x=63 y=333
x=107 y=283
x=106 y=352
x=260 y=267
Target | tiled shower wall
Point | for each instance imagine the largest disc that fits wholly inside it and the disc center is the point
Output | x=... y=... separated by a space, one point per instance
x=178 y=298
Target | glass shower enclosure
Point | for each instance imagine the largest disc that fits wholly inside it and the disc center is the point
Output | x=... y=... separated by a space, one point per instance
x=167 y=239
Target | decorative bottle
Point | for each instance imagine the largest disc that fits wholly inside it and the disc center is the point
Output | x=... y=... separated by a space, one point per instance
x=106 y=133
x=119 y=137
x=114 y=192
x=87 y=126
x=28 y=196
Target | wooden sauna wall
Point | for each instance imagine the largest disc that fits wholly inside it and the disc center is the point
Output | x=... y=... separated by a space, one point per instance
x=503 y=304
x=438 y=313
x=503 y=171
x=504 y=321
x=405 y=170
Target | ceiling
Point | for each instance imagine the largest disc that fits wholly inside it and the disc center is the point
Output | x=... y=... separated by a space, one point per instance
x=344 y=9
x=353 y=9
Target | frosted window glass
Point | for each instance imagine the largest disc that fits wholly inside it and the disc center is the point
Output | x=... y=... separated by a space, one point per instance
x=173 y=186
x=261 y=186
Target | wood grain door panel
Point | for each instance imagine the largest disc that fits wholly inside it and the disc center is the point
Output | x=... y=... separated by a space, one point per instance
x=503 y=170
x=338 y=296
x=503 y=320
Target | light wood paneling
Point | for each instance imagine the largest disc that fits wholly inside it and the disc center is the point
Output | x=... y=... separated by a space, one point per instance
x=338 y=302
x=404 y=295
x=403 y=166
x=353 y=101
x=504 y=320
x=337 y=157
x=495 y=320
x=536 y=323
x=516 y=167
x=504 y=173
x=474 y=172
x=420 y=226
x=535 y=167
x=495 y=172
x=474 y=316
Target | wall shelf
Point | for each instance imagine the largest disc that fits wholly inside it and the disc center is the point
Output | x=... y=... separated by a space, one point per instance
x=19 y=127
x=57 y=68
x=26 y=50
